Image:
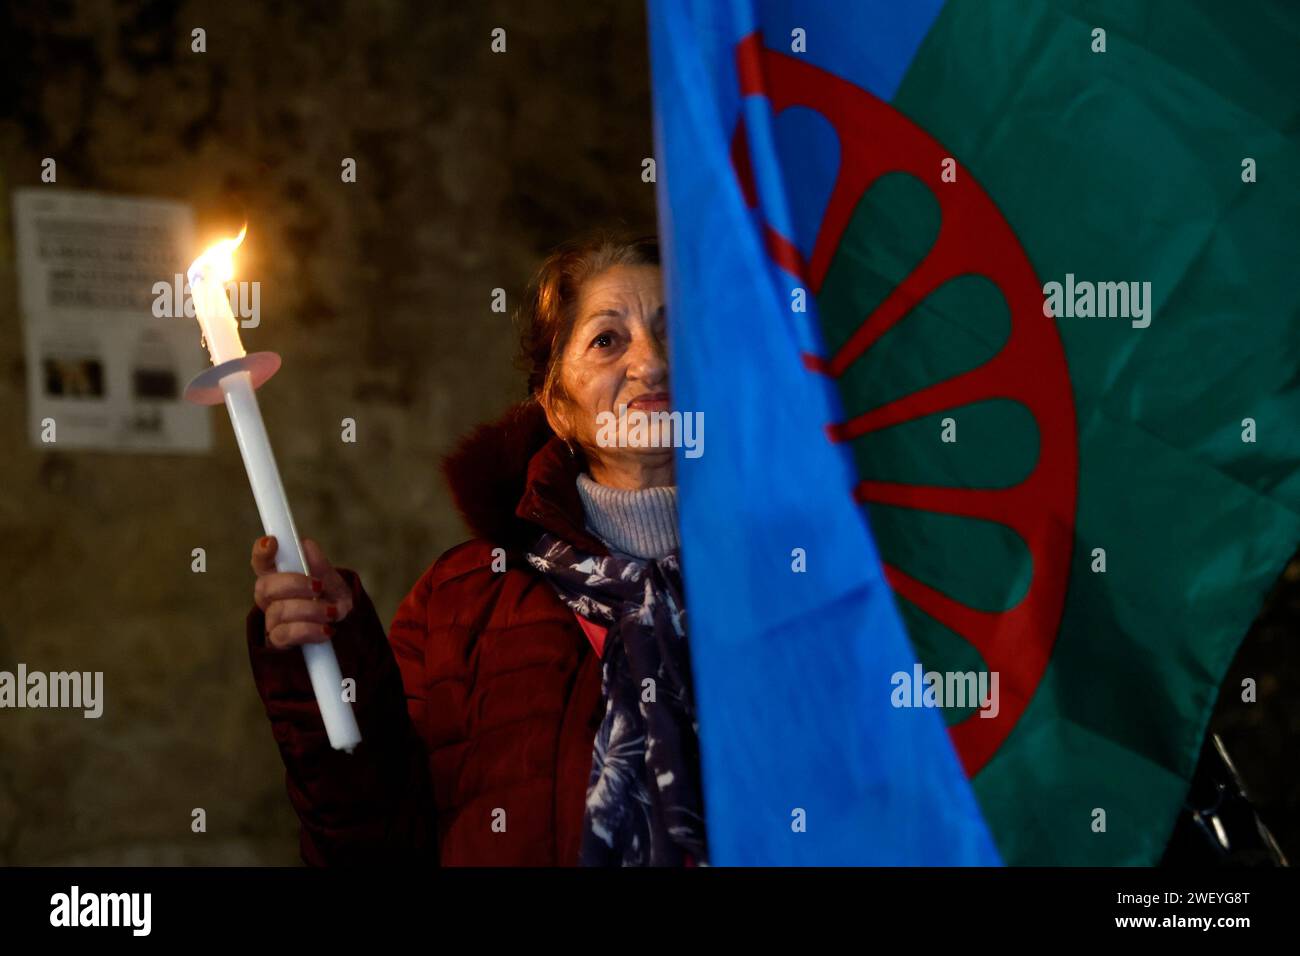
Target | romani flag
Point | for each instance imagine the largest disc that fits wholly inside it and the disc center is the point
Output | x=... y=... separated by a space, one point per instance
x=993 y=300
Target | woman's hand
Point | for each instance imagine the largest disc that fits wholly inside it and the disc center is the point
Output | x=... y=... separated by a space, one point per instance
x=299 y=609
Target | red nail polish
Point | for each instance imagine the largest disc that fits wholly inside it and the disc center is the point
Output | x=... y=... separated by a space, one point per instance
x=316 y=586
x=329 y=630
x=265 y=542
x=331 y=612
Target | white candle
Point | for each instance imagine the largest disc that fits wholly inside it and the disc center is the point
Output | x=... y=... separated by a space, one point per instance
x=222 y=336
x=208 y=277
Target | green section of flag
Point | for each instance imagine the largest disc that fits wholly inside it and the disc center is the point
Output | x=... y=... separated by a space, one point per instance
x=1117 y=166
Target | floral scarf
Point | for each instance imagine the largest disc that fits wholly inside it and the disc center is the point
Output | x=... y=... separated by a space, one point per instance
x=644 y=804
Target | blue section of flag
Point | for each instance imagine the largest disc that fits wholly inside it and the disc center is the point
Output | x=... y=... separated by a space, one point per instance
x=806 y=761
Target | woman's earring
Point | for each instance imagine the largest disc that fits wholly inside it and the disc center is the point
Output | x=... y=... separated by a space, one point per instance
x=568 y=444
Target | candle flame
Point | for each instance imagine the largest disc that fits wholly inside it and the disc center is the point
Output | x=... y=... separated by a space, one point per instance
x=217 y=264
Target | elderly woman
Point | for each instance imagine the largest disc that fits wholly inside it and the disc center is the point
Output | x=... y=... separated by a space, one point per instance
x=531 y=703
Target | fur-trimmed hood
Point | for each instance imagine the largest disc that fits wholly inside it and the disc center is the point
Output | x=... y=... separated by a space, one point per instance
x=514 y=478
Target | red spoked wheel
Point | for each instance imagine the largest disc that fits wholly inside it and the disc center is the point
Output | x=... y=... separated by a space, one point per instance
x=1030 y=369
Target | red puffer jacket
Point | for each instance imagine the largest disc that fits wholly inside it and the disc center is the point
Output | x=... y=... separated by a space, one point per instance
x=479 y=709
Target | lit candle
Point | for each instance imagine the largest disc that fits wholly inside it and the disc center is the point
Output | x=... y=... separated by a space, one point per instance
x=208 y=277
x=234 y=377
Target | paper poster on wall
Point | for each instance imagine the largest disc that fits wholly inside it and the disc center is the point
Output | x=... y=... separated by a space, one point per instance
x=102 y=365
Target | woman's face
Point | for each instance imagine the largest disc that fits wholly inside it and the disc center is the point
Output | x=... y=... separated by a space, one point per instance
x=617 y=355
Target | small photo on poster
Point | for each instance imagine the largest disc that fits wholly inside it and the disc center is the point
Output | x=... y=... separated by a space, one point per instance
x=73 y=376
x=153 y=370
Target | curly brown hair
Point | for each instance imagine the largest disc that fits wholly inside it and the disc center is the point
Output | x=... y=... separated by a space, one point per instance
x=546 y=318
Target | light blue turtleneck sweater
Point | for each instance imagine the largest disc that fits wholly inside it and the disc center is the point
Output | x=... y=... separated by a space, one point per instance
x=641 y=523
